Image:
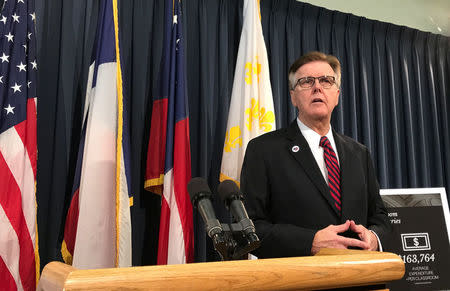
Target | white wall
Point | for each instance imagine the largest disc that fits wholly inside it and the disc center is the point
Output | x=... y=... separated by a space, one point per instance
x=425 y=15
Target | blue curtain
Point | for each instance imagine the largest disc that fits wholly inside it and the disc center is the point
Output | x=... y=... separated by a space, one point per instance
x=394 y=96
x=395 y=82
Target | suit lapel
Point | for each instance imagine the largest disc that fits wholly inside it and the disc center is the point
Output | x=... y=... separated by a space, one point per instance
x=299 y=149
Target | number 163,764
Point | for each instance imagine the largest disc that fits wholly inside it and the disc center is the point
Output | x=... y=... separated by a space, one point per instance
x=418 y=258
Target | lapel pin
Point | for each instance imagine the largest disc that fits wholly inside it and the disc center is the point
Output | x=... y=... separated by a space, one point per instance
x=295 y=148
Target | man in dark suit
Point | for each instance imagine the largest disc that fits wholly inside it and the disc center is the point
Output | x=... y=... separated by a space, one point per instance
x=306 y=186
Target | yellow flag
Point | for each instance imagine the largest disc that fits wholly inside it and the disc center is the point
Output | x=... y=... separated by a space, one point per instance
x=251 y=109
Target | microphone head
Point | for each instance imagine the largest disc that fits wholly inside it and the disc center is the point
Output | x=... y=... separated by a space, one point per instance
x=228 y=190
x=198 y=188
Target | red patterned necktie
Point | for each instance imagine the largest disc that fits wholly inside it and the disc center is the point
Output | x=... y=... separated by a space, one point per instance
x=334 y=173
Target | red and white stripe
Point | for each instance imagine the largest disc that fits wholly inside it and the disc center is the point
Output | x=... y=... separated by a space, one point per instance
x=176 y=229
x=171 y=243
x=18 y=204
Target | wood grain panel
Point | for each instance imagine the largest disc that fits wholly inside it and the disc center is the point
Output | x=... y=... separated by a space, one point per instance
x=328 y=269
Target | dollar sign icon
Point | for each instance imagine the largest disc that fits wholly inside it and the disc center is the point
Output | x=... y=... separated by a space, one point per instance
x=416 y=241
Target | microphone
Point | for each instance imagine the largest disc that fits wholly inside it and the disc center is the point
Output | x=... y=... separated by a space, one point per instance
x=201 y=199
x=231 y=195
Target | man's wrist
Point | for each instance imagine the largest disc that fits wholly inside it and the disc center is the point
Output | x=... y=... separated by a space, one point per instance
x=380 y=247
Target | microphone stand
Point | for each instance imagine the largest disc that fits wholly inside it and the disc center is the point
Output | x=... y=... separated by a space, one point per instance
x=233 y=243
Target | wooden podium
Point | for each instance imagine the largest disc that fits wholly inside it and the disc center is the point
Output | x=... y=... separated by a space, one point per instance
x=330 y=268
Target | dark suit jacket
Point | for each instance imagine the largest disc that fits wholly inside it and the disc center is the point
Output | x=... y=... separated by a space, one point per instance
x=288 y=199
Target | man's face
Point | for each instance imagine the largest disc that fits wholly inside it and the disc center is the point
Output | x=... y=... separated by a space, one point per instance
x=315 y=103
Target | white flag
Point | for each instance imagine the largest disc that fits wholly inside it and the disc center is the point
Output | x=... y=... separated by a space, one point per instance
x=251 y=110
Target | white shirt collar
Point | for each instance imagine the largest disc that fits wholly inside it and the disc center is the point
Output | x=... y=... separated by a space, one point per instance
x=313 y=138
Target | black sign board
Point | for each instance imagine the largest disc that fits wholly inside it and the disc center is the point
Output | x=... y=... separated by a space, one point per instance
x=420 y=221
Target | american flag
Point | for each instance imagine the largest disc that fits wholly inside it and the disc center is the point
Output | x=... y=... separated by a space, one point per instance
x=169 y=155
x=17 y=146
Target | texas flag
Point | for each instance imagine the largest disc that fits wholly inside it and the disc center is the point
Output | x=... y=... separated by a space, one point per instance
x=97 y=231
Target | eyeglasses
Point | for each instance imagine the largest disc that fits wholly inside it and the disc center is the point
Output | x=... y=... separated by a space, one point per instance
x=307 y=82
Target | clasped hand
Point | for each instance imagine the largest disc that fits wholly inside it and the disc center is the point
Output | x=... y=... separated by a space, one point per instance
x=330 y=237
